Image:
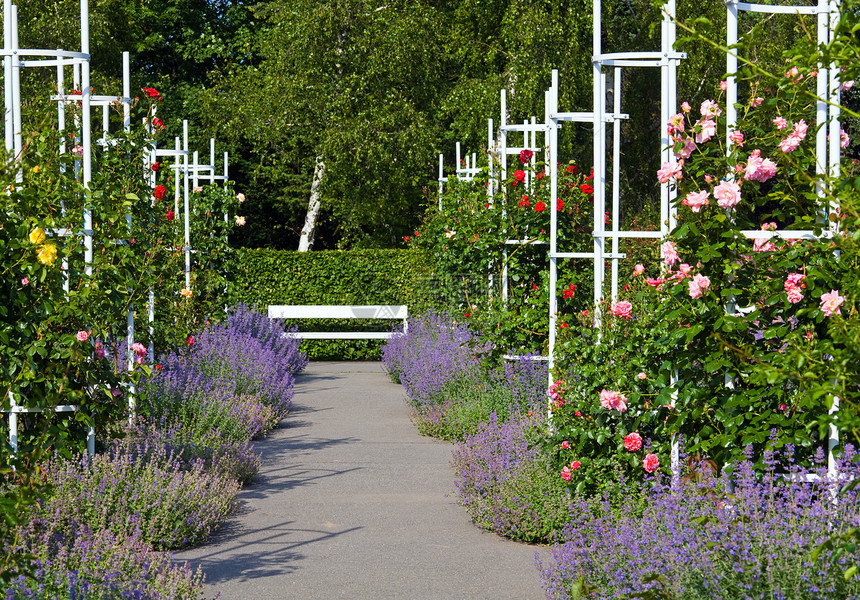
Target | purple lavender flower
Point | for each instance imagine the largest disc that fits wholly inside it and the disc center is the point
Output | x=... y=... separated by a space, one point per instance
x=702 y=541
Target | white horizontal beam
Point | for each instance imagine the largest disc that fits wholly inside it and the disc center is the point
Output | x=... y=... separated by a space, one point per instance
x=773 y=9
x=607 y=255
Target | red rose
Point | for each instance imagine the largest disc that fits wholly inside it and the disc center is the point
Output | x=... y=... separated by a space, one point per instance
x=632 y=442
x=572 y=169
x=157 y=123
x=156 y=166
x=519 y=175
x=559 y=205
x=586 y=189
x=651 y=463
x=190 y=340
x=540 y=206
x=575 y=465
x=151 y=92
x=159 y=192
x=526 y=155
x=170 y=216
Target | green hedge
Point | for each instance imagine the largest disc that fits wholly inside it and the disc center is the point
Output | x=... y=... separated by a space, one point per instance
x=262 y=277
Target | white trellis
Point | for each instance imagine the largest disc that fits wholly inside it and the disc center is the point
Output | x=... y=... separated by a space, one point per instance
x=827 y=138
x=15 y=59
x=608 y=70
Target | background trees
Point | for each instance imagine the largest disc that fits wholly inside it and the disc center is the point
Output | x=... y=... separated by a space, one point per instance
x=376 y=89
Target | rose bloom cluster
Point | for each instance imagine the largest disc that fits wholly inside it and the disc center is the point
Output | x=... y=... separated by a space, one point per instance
x=685 y=135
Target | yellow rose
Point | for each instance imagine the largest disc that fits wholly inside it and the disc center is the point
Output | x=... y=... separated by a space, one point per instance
x=36 y=169
x=37 y=236
x=47 y=254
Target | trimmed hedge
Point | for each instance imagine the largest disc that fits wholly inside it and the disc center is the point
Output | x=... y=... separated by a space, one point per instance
x=262 y=277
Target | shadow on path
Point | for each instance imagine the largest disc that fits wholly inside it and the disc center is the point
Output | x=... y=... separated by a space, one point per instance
x=351 y=502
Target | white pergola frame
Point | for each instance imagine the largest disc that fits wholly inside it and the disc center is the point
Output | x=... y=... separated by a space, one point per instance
x=667 y=60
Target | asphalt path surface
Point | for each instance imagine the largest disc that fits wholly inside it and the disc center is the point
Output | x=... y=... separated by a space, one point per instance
x=351 y=502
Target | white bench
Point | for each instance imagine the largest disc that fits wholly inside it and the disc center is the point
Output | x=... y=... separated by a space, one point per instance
x=387 y=312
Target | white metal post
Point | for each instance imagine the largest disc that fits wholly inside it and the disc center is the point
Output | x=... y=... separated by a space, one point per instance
x=598 y=135
x=187 y=203
x=552 y=159
x=616 y=177
x=7 y=76
x=441 y=180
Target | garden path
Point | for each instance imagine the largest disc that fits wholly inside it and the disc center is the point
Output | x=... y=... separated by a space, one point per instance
x=351 y=502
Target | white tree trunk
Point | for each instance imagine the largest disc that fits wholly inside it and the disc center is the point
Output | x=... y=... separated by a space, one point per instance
x=307 y=238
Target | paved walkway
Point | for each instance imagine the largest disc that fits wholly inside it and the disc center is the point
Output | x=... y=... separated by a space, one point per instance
x=352 y=502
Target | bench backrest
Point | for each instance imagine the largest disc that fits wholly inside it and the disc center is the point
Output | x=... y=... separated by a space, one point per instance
x=321 y=311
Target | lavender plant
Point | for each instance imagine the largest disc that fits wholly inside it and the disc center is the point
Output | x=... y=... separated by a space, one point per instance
x=139 y=489
x=80 y=564
x=444 y=367
x=698 y=540
x=234 y=460
x=507 y=485
x=434 y=351
x=236 y=377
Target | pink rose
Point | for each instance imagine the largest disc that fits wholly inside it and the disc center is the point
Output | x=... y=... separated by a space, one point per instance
x=670 y=255
x=575 y=465
x=82 y=336
x=706 y=130
x=638 y=270
x=724 y=85
x=844 y=140
x=612 y=400
x=800 y=129
x=24 y=281
x=565 y=473
x=685 y=107
x=686 y=151
x=737 y=138
x=566 y=445
x=780 y=122
x=696 y=200
x=728 y=194
x=794 y=295
x=763 y=245
x=756 y=102
x=669 y=171
x=100 y=351
x=139 y=349
x=830 y=303
x=621 y=309
x=759 y=169
x=698 y=285
x=676 y=123
x=651 y=463
x=642 y=376
x=709 y=108
x=794 y=280
x=632 y=442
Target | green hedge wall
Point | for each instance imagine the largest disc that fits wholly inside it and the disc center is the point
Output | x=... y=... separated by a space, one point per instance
x=261 y=277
